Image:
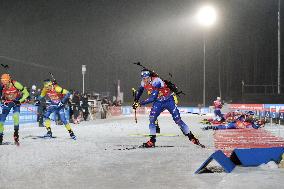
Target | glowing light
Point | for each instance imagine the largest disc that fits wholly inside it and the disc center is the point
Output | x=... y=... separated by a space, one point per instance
x=207 y=16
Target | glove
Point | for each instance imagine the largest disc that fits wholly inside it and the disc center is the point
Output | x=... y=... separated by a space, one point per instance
x=54 y=82
x=4 y=104
x=17 y=102
x=37 y=103
x=135 y=105
x=60 y=104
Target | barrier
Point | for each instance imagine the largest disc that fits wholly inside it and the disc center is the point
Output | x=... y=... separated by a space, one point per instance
x=275 y=111
x=28 y=114
x=256 y=156
x=244 y=157
x=127 y=110
x=251 y=107
x=223 y=160
x=116 y=111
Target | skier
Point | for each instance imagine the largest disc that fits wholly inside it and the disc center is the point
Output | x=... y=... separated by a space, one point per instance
x=58 y=97
x=256 y=124
x=12 y=94
x=162 y=98
x=217 y=109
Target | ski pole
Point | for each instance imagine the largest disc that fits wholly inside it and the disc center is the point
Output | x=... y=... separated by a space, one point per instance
x=134 y=95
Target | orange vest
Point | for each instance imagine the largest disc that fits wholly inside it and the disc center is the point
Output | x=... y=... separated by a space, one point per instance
x=54 y=96
x=10 y=93
x=163 y=91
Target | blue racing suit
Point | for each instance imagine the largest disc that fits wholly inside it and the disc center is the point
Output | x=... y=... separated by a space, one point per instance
x=162 y=99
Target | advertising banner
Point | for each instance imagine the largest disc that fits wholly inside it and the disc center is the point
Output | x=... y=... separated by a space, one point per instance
x=28 y=114
x=246 y=106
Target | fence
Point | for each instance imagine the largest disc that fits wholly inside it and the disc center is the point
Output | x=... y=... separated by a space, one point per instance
x=274 y=112
x=127 y=110
x=28 y=114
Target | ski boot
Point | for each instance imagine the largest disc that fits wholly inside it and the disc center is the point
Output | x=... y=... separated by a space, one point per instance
x=72 y=135
x=48 y=134
x=16 y=137
x=150 y=143
x=194 y=140
x=1 y=138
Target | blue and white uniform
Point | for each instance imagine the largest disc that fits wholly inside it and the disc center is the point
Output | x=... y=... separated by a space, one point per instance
x=162 y=98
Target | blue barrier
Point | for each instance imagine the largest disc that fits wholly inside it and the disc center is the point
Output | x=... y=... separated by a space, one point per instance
x=276 y=106
x=256 y=156
x=269 y=114
x=273 y=115
x=28 y=114
x=221 y=158
x=127 y=110
x=281 y=115
x=272 y=111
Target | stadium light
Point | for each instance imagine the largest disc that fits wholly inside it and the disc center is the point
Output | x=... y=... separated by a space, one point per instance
x=84 y=69
x=206 y=17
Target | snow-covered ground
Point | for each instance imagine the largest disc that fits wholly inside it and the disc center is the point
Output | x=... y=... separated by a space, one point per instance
x=103 y=157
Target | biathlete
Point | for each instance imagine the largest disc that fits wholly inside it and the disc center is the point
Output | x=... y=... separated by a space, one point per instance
x=163 y=99
x=13 y=94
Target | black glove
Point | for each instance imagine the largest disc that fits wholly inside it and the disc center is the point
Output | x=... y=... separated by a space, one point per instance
x=54 y=82
x=17 y=102
x=135 y=105
x=37 y=103
x=4 y=104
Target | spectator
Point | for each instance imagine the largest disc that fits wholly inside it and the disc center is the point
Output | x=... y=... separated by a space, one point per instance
x=40 y=110
x=75 y=104
x=85 y=107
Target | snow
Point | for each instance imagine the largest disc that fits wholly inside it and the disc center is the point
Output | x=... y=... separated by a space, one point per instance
x=269 y=165
x=100 y=159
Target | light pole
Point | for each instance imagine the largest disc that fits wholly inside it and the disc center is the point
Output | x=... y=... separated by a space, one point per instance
x=206 y=17
x=279 y=53
x=84 y=69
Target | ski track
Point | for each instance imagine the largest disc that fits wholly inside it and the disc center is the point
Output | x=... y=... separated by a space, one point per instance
x=93 y=161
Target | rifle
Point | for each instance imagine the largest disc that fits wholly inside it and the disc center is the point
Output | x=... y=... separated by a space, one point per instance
x=135 y=100
x=169 y=83
x=53 y=79
x=6 y=67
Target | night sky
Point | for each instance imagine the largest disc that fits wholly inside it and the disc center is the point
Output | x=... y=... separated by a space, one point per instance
x=58 y=36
